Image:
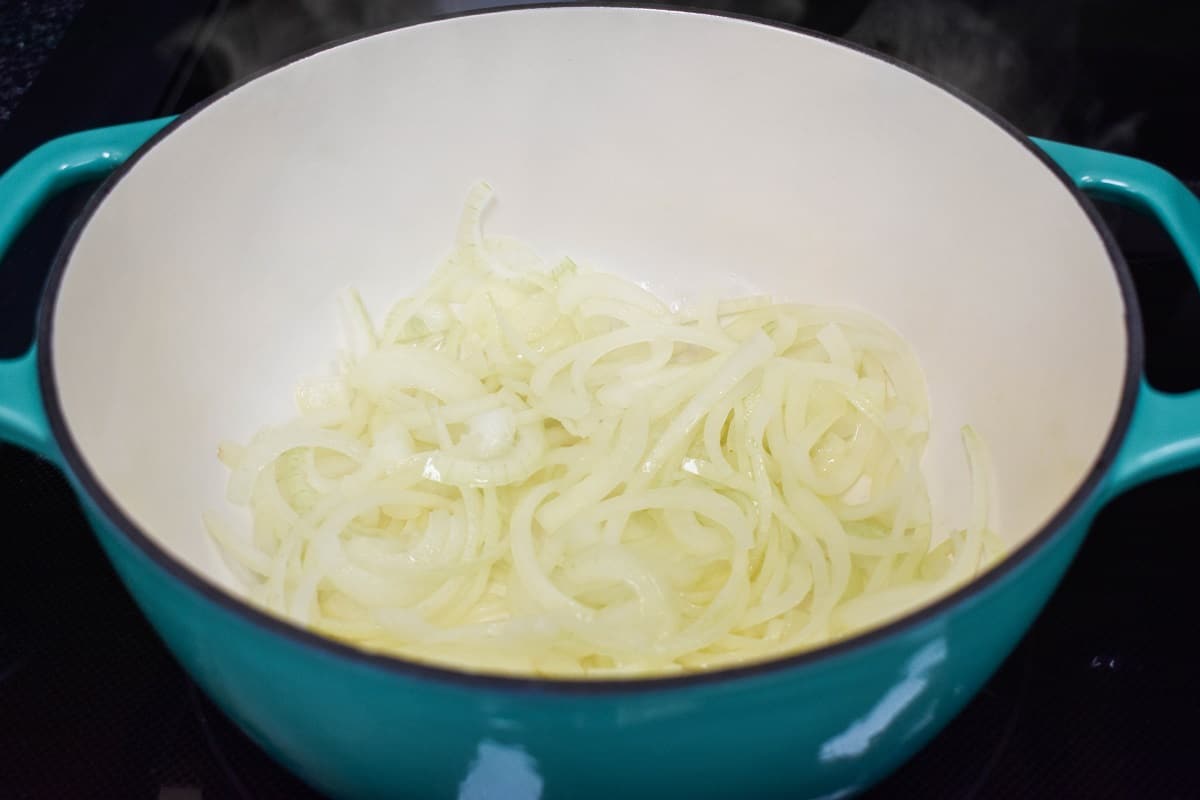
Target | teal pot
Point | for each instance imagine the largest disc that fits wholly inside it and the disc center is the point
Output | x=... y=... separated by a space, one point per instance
x=682 y=149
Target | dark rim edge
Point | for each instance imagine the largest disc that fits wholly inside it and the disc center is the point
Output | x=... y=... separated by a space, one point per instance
x=553 y=686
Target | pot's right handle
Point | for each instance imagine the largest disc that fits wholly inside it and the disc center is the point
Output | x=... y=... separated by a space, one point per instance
x=1164 y=434
x=54 y=166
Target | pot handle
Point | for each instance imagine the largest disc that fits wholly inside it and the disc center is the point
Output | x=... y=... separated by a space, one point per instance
x=56 y=165
x=1164 y=434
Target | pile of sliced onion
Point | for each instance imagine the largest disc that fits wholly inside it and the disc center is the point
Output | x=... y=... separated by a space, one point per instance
x=539 y=469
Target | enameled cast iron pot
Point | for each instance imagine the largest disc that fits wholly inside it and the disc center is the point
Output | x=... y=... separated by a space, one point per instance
x=681 y=149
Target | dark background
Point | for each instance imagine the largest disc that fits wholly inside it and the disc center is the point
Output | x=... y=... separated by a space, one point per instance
x=1099 y=701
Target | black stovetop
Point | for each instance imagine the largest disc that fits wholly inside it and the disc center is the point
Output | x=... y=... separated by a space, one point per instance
x=1099 y=700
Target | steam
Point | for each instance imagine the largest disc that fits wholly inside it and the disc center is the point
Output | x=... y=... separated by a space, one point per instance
x=1021 y=60
x=254 y=36
x=1021 y=57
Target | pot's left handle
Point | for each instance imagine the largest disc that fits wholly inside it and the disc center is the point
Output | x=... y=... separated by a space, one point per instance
x=1164 y=434
x=54 y=166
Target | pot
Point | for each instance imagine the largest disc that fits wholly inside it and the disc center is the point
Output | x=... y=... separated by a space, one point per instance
x=682 y=149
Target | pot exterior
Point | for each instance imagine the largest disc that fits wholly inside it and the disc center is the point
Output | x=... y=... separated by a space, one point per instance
x=824 y=729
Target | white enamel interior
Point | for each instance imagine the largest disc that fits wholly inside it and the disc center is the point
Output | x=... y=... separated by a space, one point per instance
x=684 y=151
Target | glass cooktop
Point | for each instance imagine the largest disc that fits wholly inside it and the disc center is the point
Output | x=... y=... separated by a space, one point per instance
x=1098 y=701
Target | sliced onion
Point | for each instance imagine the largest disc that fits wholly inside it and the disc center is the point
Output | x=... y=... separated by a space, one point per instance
x=546 y=470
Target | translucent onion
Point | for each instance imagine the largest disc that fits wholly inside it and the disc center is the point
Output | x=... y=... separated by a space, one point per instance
x=534 y=468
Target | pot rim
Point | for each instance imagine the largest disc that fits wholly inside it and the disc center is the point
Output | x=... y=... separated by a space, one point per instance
x=445 y=675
